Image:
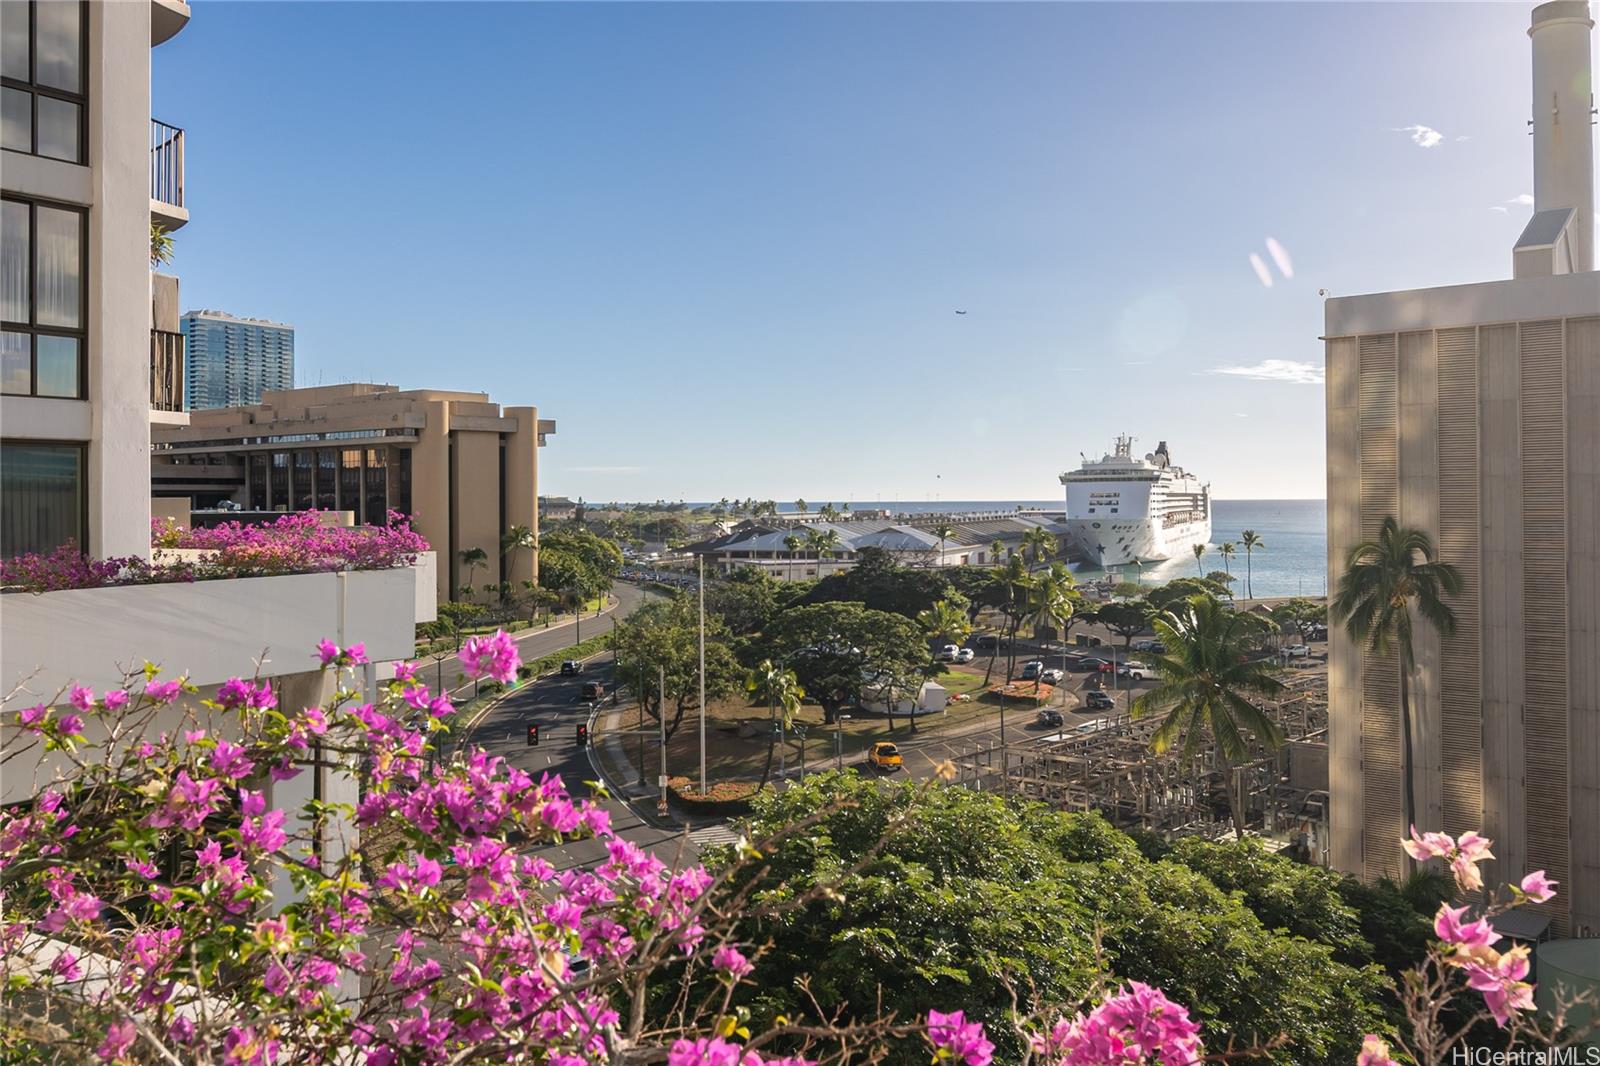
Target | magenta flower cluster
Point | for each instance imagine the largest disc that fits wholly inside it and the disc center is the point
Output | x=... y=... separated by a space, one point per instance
x=296 y=543
x=1136 y=1024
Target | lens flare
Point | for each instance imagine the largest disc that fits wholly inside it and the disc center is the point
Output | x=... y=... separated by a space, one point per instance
x=1280 y=255
x=1261 y=270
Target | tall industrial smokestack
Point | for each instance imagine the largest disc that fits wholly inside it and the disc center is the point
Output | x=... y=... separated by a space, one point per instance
x=1563 y=143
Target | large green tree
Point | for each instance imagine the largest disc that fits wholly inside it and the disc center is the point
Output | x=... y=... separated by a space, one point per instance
x=1206 y=687
x=929 y=897
x=664 y=634
x=578 y=563
x=1387 y=582
x=881 y=584
x=1126 y=618
x=838 y=648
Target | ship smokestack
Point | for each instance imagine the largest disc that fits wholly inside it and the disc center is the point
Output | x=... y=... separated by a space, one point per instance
x=1559 y=239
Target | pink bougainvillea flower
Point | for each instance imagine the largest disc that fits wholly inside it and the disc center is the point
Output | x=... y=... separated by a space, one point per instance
x=1450 y=928
x=1505 y=993
x=33 y=717
x=119 y=1038
x=1426 y=846
x=495 y=656
x=731 y=961
x=115 y=700
x=82 y=697
x=327 y=651
x=70 y=725
x=1374 y=1052
x=1539 y=888
x=163 y=692
x=956 y=1038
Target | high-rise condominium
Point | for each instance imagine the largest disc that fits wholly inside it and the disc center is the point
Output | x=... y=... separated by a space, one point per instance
x=233 y=361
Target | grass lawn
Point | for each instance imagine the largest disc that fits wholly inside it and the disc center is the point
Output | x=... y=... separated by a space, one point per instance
x=735 y=753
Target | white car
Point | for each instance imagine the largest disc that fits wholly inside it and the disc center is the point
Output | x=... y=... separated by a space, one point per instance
x=1051 y=676
x=1297 y=651
x=1134 y=670
x=946 y=654
x=965 y=655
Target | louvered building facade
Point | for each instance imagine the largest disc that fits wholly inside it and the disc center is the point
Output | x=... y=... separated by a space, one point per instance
x=1473 y=413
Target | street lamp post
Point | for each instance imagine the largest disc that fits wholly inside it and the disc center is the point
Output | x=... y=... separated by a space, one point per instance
x=702 y=675
x=838 y=739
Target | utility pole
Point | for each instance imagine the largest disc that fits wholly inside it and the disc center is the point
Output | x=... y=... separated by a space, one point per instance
x=702 y=675
x=640 y=670
x=663 y=803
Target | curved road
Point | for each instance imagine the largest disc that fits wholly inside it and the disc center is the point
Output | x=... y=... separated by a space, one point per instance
x=553 y=703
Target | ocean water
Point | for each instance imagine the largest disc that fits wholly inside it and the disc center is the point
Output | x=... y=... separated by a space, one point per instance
x=1293 y=561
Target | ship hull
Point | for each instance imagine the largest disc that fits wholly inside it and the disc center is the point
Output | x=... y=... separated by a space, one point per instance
x=1119 y=542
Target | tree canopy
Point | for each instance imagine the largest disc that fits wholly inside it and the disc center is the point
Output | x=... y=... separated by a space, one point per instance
x=836 y=649
x=665 y=634
x=960 y=895
x=575 y=561
x=880 y=584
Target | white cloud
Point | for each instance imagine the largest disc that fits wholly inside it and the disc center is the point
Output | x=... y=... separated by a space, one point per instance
x=1523 y=198
x=1280 y=255
x=1422 y=136
x=1261 y=270
x=1502 y=210
x=1286 y=370
x=1464 y=137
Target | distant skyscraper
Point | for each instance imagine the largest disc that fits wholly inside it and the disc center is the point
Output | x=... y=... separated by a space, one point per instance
x=232 y=361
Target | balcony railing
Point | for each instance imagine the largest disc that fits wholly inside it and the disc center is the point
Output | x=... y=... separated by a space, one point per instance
x=166 y=163
x=166 y=370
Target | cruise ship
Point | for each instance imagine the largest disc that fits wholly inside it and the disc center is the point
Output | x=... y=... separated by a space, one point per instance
x=1121 y=509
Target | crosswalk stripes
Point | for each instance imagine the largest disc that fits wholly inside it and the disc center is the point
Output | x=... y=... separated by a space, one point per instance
x=708 y=835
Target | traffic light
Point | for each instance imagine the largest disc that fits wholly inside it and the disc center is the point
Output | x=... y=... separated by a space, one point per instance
x=533 y=734
x=583 y=735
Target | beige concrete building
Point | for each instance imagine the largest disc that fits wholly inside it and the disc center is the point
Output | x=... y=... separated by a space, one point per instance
x=463 y=467
x=1473 y=412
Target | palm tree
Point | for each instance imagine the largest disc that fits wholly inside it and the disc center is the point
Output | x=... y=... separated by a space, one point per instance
x=792 y=542
x=945 y=622
x=828 y=512
x=1199 y=554
x=1227 y=550
x=1054 y=600
x=1017 y=585
x=800 y=505
x=1384 y=582
x=515 y=540
x=471 y=558
x=823 y=543
x=944 y=531
x=997 y=548
x=783 y=694
x=1041 y=542
x=1251 y=543
x=1205 y=684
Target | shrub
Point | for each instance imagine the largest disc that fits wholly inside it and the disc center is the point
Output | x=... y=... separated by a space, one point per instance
x=723 y=797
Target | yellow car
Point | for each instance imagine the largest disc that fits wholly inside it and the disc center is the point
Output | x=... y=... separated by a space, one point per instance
x=884 y=756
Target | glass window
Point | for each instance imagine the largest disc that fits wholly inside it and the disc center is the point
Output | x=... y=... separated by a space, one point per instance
x=402 y=483
x=327 y=480
x=16 y=121
x=15 y=269
x=41 y=497
x=14 y=40
x=60 y=122
x=41 y=284
x=280 y=482
x=58 y=44
x=16 y=363
x=43 y=63
x=57 y=372
x=303 y=498
x=258 y=482
x=58 y=266
x=350 y=481
x=376 y=512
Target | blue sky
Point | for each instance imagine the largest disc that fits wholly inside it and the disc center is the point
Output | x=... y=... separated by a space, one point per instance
x=723 y=245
